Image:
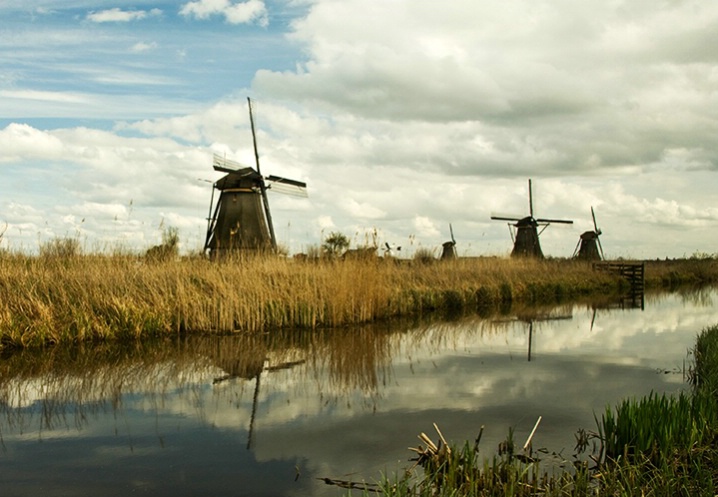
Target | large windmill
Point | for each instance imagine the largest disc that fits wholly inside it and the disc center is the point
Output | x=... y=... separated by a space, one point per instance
x=526 y=233
x=589 y=244
x=241 y=219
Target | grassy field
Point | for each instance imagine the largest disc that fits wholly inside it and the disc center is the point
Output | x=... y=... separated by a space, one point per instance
x=65 y=297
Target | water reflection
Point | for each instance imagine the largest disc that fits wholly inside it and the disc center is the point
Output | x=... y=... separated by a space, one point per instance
x=267 y=415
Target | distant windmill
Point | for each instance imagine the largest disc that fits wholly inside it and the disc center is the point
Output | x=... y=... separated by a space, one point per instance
x=389 y=250
x=526 y=238
x=589 y=244
x=449 y=248
x=241 y=219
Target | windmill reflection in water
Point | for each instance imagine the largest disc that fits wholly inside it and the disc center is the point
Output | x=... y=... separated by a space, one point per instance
x=528 y=317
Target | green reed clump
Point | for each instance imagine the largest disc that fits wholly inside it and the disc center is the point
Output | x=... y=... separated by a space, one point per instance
x=705 y=371
x=657 y=426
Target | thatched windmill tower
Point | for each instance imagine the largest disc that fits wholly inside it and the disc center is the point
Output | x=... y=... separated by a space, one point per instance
x=241 y=219
x=589 y=246
x=526 y=233
x=448 y=249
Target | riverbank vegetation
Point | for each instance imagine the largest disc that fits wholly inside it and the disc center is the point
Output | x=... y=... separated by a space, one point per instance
x=655 y=446
x=65 y=296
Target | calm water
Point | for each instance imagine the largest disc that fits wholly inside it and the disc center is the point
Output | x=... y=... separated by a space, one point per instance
x=247 y=416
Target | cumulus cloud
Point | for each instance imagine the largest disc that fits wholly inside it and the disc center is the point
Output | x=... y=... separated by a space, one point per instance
x=234 y=13
x=401 y=116
x=104 y=187
x=536 y=84
x=118 y=15
x=22 y=142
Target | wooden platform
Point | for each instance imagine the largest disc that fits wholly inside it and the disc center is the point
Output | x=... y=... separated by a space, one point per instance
x=633 y=271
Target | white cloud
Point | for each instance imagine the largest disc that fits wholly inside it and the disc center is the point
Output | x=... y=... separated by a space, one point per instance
x=118 y=15
x=141 y=47
x=403 y=116
x=425 y=227
x=46 y=96
x=361 y=210
x=234 y=13
x=22 y=142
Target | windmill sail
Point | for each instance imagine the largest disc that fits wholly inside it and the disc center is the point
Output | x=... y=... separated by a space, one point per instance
x=225 y=165
x=287 y=186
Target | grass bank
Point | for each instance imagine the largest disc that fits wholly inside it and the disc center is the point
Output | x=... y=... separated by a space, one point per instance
x=654 y=446
x=59 y=298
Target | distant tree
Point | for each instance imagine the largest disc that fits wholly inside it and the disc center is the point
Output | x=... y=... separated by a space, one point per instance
x=335 y=244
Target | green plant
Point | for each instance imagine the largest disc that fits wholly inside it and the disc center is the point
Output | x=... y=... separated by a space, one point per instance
x=335 y=244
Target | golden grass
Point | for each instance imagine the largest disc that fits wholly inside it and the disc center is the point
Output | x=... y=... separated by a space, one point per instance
x=93 y=297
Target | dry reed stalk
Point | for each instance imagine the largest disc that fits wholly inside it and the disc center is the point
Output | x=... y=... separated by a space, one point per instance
x=94 y=297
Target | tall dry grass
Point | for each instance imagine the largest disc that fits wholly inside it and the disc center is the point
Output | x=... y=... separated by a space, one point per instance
x=73 y=298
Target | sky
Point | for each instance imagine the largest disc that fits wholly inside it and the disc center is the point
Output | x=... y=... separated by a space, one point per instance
x=402 y=116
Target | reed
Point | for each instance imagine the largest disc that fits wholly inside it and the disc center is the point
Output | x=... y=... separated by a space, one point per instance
x=672 y=273
x=64 y=296
x=658 y=426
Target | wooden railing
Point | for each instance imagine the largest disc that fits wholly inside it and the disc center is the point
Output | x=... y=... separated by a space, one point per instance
x=633 y=271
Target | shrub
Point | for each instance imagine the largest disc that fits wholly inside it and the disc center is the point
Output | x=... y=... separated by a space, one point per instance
x=424 y=255
x=60 y=248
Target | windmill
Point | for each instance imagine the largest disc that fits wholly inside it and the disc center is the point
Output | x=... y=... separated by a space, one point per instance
x=241 y=219
x=526 y=237
x=389 y=250
x=589 y=246
x=449 y=248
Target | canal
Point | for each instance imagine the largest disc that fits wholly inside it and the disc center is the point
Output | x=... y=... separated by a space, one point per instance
x=275 y=414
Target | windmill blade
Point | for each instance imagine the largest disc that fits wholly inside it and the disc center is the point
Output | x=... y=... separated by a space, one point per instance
x=600 y=248
x=451 y=230
x=593 y=318
x=595 y=227
x=531 y=200
x=287 y=186
x=551 y=221
x=225 y=165
x=506 y=218
x=254 y=135
x=265 y=200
